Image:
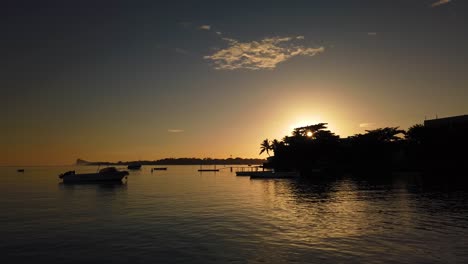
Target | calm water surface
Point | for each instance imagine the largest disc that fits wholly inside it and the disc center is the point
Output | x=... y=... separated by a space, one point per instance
x=182 y=216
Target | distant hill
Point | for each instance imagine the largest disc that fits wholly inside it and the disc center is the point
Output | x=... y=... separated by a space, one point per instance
x=81 y=162
x=177 y=161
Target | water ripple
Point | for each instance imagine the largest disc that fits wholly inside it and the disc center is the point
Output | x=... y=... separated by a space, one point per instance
x=179 y=216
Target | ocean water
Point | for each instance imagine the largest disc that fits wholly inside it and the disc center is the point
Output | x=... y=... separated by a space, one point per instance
x=183 y=216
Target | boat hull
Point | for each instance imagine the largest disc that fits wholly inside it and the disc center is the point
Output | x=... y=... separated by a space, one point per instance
x=134 y=167
x=272 y=175
x=94 y=177
x=248 y=173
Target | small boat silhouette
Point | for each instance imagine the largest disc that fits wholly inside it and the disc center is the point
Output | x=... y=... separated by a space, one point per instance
x=134 y=166
x=108 y=174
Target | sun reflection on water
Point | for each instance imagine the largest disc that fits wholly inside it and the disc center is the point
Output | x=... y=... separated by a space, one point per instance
x=311 y=216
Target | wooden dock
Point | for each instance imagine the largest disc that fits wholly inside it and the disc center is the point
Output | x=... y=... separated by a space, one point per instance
x=236 y=168
x=246 y=169
x=202 y=169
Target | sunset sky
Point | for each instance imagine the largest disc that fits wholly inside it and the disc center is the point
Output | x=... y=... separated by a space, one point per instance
x=128 y=80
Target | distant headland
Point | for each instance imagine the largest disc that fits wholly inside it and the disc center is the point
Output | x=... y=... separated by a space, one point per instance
x=177 y=161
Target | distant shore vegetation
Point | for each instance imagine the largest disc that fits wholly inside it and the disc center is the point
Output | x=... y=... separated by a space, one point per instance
x=179 y=161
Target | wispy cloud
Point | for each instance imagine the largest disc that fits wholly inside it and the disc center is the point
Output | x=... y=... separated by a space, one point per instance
x=185 y=24
x=366 y=125
x=181 y=51
x=175 y=130
x=263 y=54
x=204 y=27
x=440 y=2
x=372 y=33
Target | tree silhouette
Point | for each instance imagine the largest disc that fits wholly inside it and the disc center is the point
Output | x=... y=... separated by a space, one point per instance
x=302 y=131
x=275 y=145
x=265 y=147
x=388 y=149
x=325 y=136
x=386 y=134
x=416 y=133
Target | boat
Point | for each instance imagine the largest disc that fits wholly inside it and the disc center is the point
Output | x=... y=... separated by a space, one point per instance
x=135 y=166
x=160 y=168
x=273 y=174
x=247 y=173
x=109 y=174
x=20 y=170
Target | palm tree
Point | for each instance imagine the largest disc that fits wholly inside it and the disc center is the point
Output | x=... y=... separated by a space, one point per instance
x=275 y=144
x=265 y=147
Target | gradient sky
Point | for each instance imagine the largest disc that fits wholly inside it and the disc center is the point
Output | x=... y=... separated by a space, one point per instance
x=127 y=80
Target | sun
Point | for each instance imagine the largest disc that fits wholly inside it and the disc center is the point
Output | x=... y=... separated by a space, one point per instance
x=309 y=133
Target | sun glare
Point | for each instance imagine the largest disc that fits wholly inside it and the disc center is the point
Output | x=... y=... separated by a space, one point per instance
x=309 y=133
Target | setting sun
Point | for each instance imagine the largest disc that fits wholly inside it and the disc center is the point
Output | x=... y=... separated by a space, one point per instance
x=310 y=134
x=302 y=121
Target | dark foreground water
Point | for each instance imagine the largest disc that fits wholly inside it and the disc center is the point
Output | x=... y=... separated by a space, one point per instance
x=182 y=216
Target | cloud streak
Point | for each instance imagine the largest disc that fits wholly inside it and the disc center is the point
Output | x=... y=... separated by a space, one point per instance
x=440 y=2
x=257 y=55
x=175 y=130
x=366 y=125
x=205 y=27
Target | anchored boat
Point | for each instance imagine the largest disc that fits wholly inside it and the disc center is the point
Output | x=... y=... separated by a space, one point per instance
x=109 y=174
x=269 y=174
x=135 y=166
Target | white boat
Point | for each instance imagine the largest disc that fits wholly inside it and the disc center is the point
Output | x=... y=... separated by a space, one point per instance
x=109 y=174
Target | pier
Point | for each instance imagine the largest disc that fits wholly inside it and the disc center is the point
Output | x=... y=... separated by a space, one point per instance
x=235 y=168
x=243 y=168
x=201 y=168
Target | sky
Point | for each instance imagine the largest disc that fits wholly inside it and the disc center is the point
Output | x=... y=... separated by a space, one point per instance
x=129 y=80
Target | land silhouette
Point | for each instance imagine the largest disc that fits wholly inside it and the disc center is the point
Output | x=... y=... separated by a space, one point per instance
x=177 y=161
x=438 y=146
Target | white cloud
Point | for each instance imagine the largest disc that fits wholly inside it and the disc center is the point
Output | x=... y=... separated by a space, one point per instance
x=256 y=55
x=205 y=27
x=440 y=2
x=175 y=130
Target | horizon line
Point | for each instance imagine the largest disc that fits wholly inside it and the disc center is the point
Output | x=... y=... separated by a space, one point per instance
x=74 y=164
